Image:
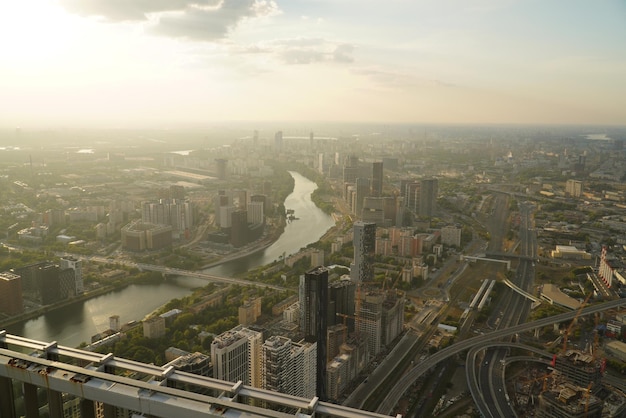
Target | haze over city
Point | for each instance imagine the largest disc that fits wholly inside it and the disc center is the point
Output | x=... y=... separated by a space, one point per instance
x=167 y=63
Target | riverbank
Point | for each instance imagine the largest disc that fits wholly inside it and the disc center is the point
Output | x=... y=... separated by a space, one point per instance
x=25 y=316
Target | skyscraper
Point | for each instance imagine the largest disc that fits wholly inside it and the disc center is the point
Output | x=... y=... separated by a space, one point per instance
x=362 y=191
x=314 y=318
x=278 y=141
x=377 y=179
x=428 y=197
x=220 y=168
x=239 y=228
x=364 y=242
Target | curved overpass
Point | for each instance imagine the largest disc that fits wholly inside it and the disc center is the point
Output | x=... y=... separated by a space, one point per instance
x=471 y=374
x=414 y=373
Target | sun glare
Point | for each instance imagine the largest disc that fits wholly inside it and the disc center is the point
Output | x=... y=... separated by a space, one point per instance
x=34 y=31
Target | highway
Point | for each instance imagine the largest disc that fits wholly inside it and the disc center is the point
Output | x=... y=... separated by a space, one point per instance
x=396 y=392
x=514 y=308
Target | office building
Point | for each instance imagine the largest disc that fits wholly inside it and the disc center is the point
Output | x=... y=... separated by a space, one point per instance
x=236 y=356
x=11 y=299
x=364 y=242
x=49 y=283
x=313 y=292
x=77 y=266
x=429 y=188
x=362 y=191
x=239 y=228
x=261 y=198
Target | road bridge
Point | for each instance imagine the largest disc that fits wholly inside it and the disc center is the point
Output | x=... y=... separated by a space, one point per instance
x=407 y=380
x=521 y=292
x=492 y=260
x=173 y=271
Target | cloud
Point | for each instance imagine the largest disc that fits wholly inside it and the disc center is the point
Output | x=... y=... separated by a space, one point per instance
x=128 y=10
x=306 y=51
x=211 y=23
x=202 y=20
x=401 y=80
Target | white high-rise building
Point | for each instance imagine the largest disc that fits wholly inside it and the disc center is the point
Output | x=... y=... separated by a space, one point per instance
x=226 y=219
x=289 y=367
x=76 y=265
x=255 y=213
x=236 y=355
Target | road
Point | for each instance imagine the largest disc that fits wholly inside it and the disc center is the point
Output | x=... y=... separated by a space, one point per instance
x=396 y=392
x=492 y=398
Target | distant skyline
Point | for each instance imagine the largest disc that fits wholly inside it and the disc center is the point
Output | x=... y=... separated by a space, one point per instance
x=156 y=63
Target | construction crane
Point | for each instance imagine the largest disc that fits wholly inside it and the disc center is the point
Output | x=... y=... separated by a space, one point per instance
x=571 y=325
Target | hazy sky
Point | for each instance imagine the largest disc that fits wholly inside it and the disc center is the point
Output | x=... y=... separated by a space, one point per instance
x=158 y=62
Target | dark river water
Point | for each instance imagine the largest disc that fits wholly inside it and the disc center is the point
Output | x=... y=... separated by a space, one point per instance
x=74 y=324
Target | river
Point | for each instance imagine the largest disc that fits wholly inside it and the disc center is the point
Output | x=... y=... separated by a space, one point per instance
x=76 y=323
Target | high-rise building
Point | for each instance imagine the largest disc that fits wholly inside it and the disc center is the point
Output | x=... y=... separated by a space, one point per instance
x=288 y=367
x=255 y=213
x=278 y=141
x=260 y=198
x=49 y=283
x=76 y=265
x=411 y=195
x=428 y=197
x=341 y=295
x=377 y=179
x=364 y=242
x=313 y=294
x=451 y=235
x=173 y=212
x=236 y=355
x=350 y=169
x=392 y=322
x=370 y=319
x=239 y=228
x=220 y=168
x=574 y=188
x=362 y=191
x=11 y=300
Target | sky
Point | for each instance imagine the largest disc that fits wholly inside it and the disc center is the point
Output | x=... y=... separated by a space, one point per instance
x=159 y=63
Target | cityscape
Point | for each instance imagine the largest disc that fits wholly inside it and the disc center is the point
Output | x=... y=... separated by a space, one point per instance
x=312 y=208
x=364 y=272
